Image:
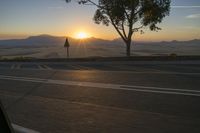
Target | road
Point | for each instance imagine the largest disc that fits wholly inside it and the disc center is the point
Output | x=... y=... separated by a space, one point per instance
x=102 y=97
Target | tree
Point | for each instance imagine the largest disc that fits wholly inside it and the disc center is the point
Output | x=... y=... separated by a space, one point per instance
x=129 y=16
x=66 y=45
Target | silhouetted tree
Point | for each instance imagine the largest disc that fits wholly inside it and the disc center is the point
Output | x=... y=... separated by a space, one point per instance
x=129 y=16
x=66 y=45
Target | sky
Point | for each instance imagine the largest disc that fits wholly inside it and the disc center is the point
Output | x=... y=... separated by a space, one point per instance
x=23 y=18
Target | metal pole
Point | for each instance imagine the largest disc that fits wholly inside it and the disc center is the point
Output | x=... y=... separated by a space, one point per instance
x=67 y=52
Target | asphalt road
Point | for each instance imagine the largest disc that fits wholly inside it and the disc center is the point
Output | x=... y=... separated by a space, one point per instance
x=102 y=97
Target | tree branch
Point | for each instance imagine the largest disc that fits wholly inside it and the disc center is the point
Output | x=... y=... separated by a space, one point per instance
x=123 y=30
x=139 y=10
x=127 y=16
x=117 y=29
x=131 y=22
x=136 y=29
x=91 y=3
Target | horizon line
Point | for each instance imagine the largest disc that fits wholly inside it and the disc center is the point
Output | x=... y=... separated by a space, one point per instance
x=95 y=38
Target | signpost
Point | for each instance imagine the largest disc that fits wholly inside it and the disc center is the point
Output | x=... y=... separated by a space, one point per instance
x=66 y=45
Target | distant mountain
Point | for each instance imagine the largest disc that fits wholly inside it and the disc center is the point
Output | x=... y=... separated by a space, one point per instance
x=48 y=41
x=33 y=41
x=119 y=40
x=194 y=41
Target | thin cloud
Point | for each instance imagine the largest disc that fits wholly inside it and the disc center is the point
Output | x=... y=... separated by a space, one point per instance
x=55 y=7
x=190 y=28
x=185 y=7
x=193 y=16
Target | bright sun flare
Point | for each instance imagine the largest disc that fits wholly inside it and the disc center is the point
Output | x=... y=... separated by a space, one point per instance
x=82 y=35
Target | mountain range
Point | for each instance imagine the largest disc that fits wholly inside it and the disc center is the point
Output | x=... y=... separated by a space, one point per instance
x=47 y=46
x=48 y=40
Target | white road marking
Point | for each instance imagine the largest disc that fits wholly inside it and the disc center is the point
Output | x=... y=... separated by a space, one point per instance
x=148 y=72
x=78 y=67
x=44 y=67
x=13 y=66
x=18 y=66
x=131 y=72
x=160 y=90
x=40 y=67
x=81 y=67
x=47 y=67
x=21 y=129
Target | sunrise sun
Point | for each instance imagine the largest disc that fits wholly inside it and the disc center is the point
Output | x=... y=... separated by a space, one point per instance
x=82 y=35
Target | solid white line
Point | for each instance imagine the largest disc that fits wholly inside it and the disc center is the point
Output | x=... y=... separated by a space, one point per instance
x=22 y=78
x=132 y=72
x=21 y=129
x=149 y=72
x=165 y=92
x=159 y=88
x=108 y=86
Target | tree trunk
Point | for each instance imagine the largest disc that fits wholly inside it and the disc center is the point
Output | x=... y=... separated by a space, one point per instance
x=128 y=48
x=67 y=52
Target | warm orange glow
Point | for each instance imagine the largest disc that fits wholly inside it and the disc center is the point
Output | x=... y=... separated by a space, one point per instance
x=82 y=35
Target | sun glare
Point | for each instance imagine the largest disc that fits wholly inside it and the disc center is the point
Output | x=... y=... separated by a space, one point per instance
x=82 y=35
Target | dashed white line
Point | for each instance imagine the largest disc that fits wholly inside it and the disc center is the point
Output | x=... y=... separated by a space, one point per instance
x=160 y=90
x=44 y=67
x=40 y=67
x=80 y=68
x=13 y=66
x=47 y=67
x=18 y=66
x=77 y=67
